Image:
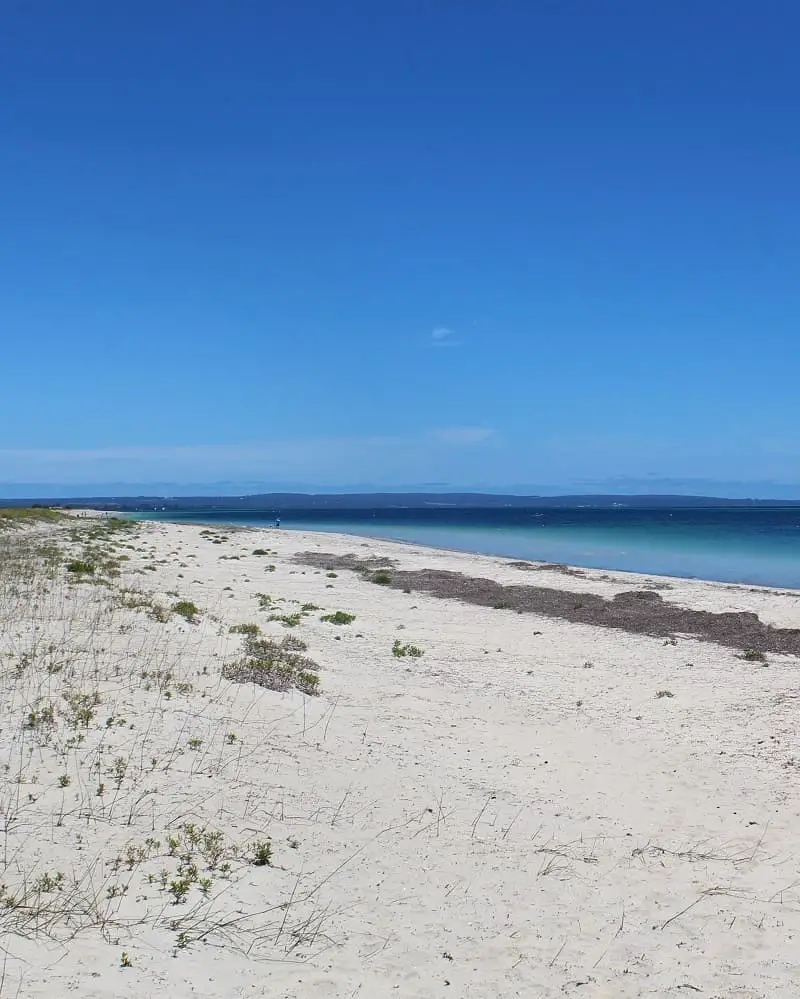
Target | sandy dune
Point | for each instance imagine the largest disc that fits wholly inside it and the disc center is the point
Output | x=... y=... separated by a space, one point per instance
x=515 y=812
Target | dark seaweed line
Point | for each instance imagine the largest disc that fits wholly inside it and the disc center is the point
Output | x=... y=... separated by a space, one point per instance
x=639 y=612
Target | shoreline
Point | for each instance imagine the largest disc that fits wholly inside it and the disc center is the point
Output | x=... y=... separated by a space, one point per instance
x=669 y=577
x=633 y=577
x=465 y=781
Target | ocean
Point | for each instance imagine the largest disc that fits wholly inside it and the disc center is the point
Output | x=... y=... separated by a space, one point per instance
x=759 y=545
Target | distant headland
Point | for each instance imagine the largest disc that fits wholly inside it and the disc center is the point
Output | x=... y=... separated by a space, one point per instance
x=389 y=500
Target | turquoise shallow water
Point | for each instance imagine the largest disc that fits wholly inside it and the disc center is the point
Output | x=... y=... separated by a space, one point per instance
x=759 y=545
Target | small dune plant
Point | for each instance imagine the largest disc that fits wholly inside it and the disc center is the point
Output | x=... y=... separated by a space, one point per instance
x=78 y=567
x=401 y=650
x=245 y=629
x=287 y=620
x=338 y=617
x=186 y=609
x=275 y=665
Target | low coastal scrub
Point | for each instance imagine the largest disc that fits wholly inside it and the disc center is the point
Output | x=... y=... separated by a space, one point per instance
x=133 y=599
x=106 y=721
x=186 y=609
x=12 y=516
x=78 y=567
x=338 y=617
x=287 y=620
x=274 y=665
x=401 y=650
x=245 y=629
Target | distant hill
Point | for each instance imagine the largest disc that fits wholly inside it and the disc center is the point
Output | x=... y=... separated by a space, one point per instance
x=363 y=501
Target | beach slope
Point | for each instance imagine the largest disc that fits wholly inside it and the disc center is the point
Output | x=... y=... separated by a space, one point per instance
x=472 y=777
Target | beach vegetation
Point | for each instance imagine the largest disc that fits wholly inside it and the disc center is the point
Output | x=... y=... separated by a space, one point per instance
x=275 y=665
x=287 y=620
x=261 y=853
x=81 y=708
x=338 y=617
x=400 y=650
x=79 y=567
x=13 y=516
x=186 y=609
x=247 y=628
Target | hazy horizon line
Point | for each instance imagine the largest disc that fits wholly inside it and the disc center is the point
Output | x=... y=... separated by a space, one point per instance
x=762 y=490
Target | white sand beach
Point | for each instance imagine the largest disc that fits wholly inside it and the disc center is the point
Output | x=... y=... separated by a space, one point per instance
x=529 y=808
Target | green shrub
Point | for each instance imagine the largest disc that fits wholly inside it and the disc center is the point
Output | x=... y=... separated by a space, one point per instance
x=287 y=620
x=186 y=609
x=275 y=665
x=81 y=708
x=382 y=577
x=79 y=567
x=400 y=650
x=753 y=656
x=244 y=629
x=261 y=853
x=338 y=617
x=307 y=682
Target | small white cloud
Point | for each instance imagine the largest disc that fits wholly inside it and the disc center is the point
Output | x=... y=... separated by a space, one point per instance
x=443 y=336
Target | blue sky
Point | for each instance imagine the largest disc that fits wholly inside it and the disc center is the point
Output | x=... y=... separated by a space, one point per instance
x=536 y=243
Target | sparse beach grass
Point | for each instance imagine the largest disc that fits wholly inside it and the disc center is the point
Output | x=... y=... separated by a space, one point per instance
x=109 y=718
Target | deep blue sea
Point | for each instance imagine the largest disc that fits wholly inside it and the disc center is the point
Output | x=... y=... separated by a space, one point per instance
x=758 y=545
